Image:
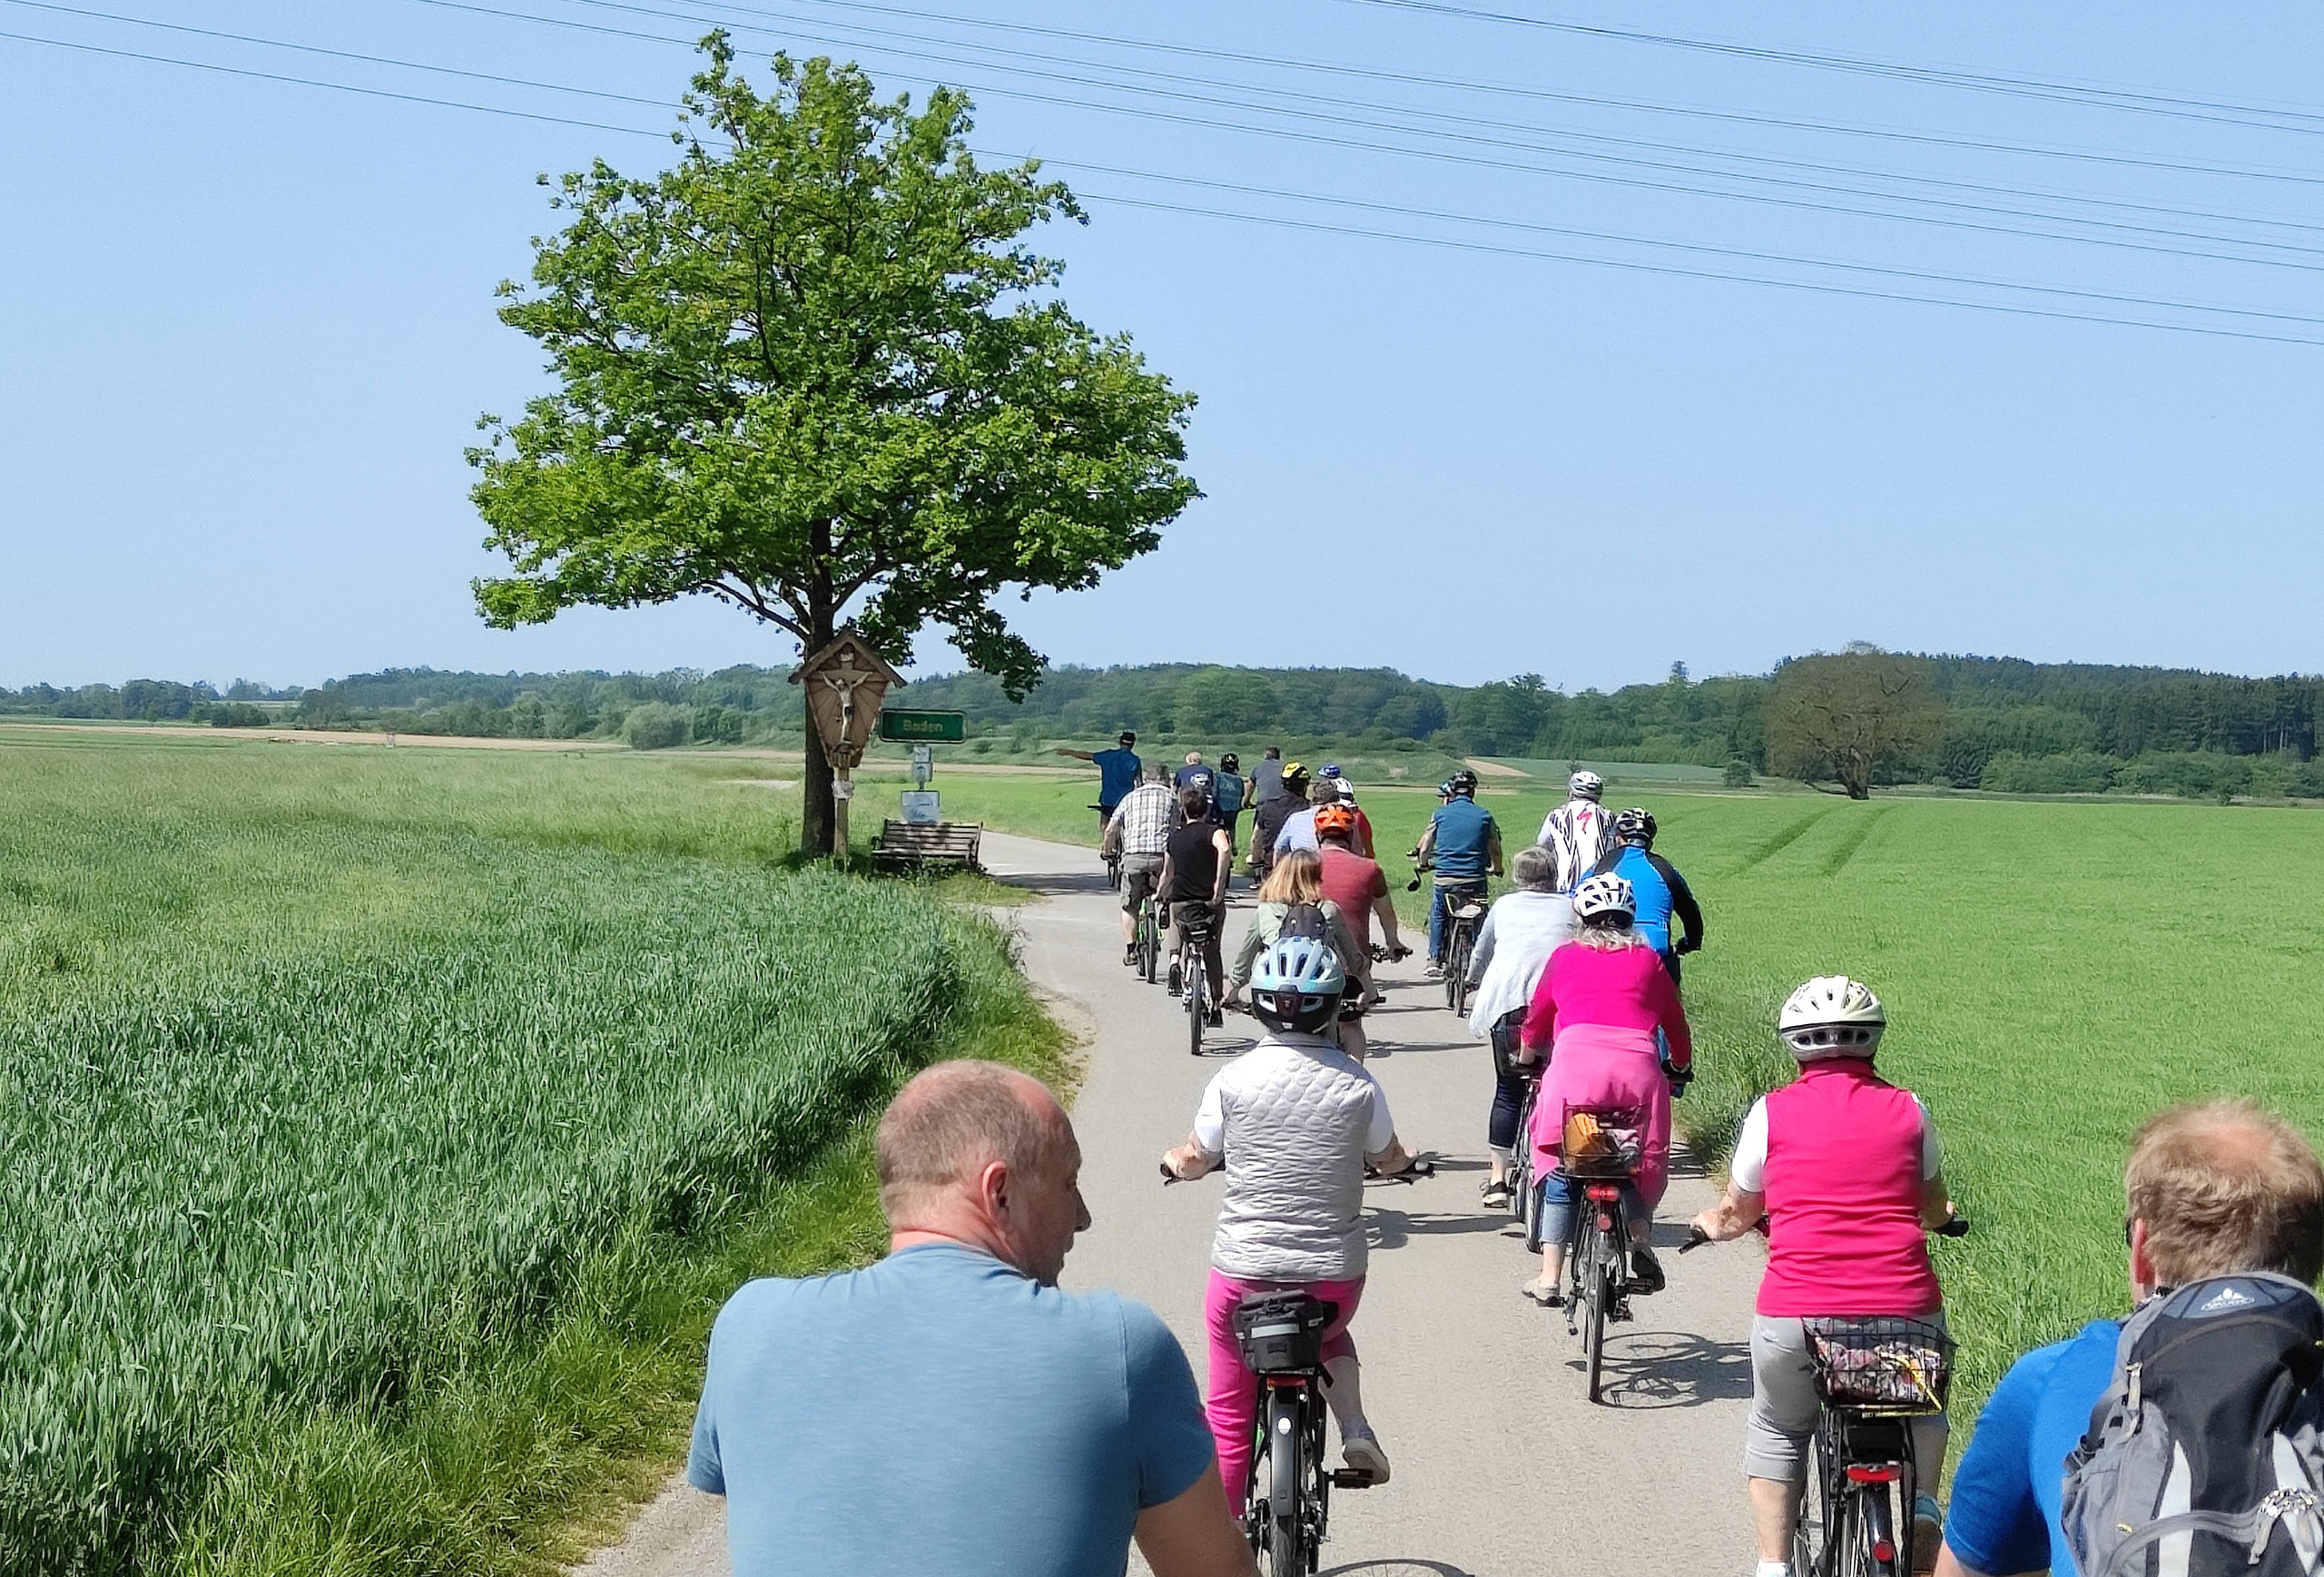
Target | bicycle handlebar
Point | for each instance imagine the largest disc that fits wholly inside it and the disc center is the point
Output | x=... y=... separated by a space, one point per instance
x=1956 y=1226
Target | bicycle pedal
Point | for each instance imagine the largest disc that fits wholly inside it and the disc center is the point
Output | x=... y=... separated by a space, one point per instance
x=1351 y=1478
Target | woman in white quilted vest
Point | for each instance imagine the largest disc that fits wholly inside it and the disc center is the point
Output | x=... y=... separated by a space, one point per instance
x=1295 y=1120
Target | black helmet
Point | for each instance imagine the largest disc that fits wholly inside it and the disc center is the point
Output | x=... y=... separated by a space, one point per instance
x=1635 y=825
x=1462 y=782
x=1230 y=762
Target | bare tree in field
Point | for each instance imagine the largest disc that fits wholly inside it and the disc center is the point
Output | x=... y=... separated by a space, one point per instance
x=1846 y=718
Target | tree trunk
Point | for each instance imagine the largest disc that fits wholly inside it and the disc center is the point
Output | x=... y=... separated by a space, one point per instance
x=817 y=821
x=815 y=824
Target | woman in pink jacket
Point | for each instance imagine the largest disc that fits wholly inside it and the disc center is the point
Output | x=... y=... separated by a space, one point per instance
x=1607 y=1016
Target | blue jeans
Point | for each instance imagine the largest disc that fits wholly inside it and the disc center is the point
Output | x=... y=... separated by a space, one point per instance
x=1438 y=913
x=1559 y=1197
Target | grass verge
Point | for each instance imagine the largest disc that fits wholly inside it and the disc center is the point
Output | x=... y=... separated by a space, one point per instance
x=521 y=1464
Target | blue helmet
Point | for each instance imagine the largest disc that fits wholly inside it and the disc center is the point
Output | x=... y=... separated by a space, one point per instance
x=1297 y=985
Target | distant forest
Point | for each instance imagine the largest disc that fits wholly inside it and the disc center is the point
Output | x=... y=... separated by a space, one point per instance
x=2010 y=726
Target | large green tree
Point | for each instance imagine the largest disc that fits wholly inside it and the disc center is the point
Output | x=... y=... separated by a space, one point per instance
x=1852 y=716
x=813 y=370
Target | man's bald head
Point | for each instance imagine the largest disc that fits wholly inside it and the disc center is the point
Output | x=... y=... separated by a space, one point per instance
x=952 y=1120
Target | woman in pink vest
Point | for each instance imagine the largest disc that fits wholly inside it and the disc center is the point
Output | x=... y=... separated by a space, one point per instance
x=1608 y=1017
x=1845 y=1167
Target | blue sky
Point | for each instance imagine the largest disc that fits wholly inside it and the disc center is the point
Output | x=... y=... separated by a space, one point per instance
x=250 y=327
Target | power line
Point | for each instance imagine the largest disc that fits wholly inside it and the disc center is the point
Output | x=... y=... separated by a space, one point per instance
x=335 y=86
x=1285 y=222
x=1741 y=252
x=1984 y=187
x=1701 y=274
x=2224 y=112
x=340 y=54
x=1476 y=161
x=1514 y=90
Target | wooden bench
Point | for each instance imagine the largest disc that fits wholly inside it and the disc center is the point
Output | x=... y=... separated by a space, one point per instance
x=918 y=844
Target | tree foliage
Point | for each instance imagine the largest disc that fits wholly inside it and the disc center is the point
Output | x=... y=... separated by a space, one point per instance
x=812 y=371
x=1852 y=718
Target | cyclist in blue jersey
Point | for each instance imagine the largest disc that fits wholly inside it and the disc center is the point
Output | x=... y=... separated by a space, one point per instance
x=1662 y=892
x=1463 y=842
x=1117 y=774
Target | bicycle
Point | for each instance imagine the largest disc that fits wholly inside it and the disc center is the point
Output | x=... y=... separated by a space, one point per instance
x=1873 y=1374
x=1113 y=860
x=1193 y=935
x=1281 y=1336
x=1150 y=940
x=1597 y=1249
x=1465 y=913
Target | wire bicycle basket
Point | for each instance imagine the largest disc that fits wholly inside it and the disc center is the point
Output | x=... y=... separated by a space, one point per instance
x=1881 y=1365
x=1601 y=1142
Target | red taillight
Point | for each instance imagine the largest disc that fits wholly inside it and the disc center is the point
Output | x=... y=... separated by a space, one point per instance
x=1604 y=1192
x=1883 y=1552
x=1888 y=1475
x=1605 y=1222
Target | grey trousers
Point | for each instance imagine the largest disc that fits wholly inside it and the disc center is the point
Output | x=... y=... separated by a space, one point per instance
x=1784 y=1407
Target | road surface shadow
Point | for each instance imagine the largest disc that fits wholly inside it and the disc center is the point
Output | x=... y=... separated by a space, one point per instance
x=1396 y=1566
x=1395 y=1228
x=1055 y=883
x=1648 y=1371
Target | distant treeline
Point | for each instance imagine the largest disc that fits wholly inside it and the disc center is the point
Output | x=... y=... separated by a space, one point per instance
x=2012 y=725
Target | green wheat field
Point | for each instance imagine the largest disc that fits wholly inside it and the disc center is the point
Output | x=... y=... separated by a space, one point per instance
x=2053 y=972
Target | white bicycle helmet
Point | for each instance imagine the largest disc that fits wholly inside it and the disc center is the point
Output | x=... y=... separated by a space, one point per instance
x=1832 y=1016
x=1585 y=785
x=1606 y=900
x=1297 y=985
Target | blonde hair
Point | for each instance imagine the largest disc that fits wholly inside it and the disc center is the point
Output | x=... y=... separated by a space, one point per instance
x=1609 y=937
x=1296 y=878
x=2226 y=1187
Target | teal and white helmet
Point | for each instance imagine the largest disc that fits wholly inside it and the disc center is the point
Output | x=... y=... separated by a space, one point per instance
x=1297 y=985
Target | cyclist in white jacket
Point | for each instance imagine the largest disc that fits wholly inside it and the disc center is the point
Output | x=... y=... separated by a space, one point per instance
x=1579 y=833
x=1295 y=1120
x=1520 y=931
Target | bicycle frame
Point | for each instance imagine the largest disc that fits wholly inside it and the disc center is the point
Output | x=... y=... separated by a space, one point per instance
x=1597 y=1291
x=1864 y=1478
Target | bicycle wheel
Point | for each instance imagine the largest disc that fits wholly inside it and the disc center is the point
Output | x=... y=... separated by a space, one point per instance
x=1596 y=1291
x=1883 y=1556
x=1149 y=945
x=1286 y=1527
x=1461 y=979
x=1195 y=986
x=1811 y=1539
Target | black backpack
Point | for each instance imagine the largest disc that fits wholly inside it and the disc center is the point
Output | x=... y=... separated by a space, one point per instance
x=2206 y=1455
x=1304 y=920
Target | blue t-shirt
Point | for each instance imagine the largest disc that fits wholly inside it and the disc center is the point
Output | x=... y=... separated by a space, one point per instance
x=1117 y=774
x=2010 y=1483
x=939 y=1412
x=1463 y=834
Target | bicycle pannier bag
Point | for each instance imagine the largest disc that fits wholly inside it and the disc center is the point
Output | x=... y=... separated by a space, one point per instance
x=1505 y=1036
x=2206 y=1455
x=1282 y=1332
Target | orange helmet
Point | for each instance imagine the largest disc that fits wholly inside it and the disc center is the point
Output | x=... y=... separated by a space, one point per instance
x=1334 y=821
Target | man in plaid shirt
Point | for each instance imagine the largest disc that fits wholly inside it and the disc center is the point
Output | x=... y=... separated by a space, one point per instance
x=1139 y=831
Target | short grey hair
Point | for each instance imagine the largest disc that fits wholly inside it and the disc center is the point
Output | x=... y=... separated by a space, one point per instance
x=952 y=1120
x=1533 y=868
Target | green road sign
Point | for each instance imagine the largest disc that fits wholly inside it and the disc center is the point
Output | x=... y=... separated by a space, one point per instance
x=946 y=726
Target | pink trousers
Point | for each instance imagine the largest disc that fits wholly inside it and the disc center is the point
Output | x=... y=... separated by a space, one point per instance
x=1234 y=1401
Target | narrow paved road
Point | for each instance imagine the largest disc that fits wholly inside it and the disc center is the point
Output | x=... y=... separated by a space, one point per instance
x=1501 y=1468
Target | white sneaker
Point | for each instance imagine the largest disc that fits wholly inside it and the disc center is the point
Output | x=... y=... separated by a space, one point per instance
x=1361 y=1451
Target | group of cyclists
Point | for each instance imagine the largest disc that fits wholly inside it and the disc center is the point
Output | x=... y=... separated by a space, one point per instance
x=1576 y=979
